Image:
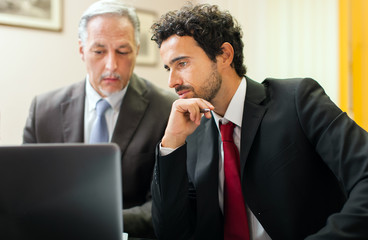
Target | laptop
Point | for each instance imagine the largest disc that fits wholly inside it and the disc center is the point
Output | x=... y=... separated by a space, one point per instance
x=60 y=191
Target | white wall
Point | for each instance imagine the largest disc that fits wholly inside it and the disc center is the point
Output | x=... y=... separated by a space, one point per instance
x=289 y=38
x=35 y=61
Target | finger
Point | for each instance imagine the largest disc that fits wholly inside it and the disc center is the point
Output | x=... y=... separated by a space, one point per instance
x=208 y=114
x=194 y=108
x=205 y=106
x=188 y=109
x=195 y=114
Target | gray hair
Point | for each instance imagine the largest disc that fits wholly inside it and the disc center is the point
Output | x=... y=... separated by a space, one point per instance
x=108 y=7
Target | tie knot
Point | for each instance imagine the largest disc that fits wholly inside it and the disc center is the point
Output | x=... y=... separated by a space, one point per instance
x=101 y=106
x=227 y=131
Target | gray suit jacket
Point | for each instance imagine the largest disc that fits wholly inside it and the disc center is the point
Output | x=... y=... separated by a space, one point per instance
x=58 y=117
x=304 y=170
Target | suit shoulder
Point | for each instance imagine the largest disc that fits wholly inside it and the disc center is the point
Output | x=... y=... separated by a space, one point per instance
x=290 y=86
x=61 y=94
x=289 y=83
x=155 y=93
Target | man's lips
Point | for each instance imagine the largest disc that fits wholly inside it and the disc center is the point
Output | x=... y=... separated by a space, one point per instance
x=110 y=79
x=182 y=93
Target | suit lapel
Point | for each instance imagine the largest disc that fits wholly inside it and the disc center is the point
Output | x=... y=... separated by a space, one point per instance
x=253 y=113
x=207 y=149
x=130 y=114
x=72 y=112
x=206 y=175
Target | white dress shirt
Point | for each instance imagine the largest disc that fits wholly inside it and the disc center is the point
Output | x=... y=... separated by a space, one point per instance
x=234 y=113
x=111 y=114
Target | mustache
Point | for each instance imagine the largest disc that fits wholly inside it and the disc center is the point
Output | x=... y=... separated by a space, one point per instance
x=183 y=87
x=108 y=74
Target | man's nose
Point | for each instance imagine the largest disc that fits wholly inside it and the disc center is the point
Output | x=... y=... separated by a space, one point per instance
x=111 y=62
x=174 y=79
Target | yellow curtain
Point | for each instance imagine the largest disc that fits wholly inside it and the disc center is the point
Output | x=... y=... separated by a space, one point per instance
x=353 y=21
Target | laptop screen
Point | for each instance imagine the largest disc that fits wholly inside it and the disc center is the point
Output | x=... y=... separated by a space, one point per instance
x=60 y=191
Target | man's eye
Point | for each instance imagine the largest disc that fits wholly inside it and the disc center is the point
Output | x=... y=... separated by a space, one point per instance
x=123 y=51
x=182 y=64
x=98 y=52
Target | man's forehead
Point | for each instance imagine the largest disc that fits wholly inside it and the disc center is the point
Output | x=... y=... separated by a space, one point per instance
x=178 y=47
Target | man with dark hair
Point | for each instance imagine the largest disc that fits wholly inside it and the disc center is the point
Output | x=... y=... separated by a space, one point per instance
x=244 y=160
x=136 y=110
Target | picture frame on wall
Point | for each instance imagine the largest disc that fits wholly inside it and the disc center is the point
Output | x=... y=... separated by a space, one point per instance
x=37 y=14
x=148 y=52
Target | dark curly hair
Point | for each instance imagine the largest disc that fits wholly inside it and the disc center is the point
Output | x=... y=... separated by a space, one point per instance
x=209 y=27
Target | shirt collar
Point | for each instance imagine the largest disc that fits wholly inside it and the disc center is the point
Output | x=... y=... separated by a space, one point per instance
x=234 y=111
x=92 y=96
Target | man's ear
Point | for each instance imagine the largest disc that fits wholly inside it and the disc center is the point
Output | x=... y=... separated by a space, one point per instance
x=81 y=49
x=227 y=54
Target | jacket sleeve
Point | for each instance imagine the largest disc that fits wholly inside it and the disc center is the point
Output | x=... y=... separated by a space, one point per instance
x=173 y=213
x=343 y=146
x=29 y=129
x=137 y=220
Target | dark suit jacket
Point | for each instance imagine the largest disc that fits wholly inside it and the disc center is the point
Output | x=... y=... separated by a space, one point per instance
x=58 y=116
x=304 y=169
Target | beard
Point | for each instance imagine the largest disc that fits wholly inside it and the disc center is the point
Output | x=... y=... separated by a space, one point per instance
x=209 y=89
x=106 y=92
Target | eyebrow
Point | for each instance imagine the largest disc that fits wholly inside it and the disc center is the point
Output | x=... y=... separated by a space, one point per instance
x=98 y=45
x=175 y=60
x=102 y=45
x=125 y=46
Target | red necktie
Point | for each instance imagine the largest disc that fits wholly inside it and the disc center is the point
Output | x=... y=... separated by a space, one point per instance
x=236 y=222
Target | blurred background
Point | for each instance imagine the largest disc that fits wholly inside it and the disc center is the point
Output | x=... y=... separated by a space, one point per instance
x=323 y=39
